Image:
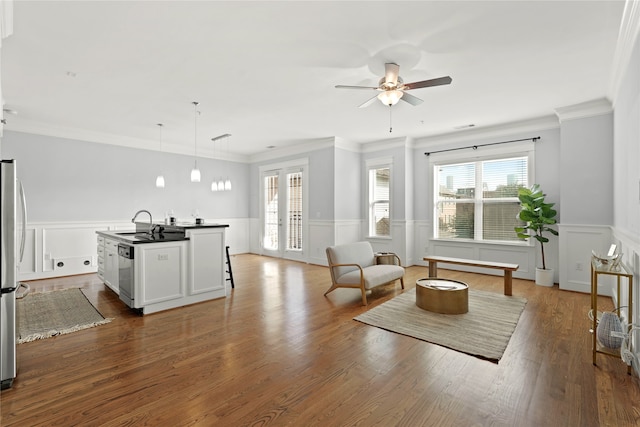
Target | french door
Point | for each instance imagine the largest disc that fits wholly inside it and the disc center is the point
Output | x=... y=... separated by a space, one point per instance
x=284 y=216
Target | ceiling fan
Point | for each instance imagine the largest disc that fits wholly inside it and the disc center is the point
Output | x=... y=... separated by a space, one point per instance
x=392 y=89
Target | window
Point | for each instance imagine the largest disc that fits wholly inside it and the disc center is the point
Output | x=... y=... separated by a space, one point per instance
x=379 y=203
x=478 y=200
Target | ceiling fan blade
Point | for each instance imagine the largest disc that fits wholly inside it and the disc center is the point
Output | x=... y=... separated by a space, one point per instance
x=355 y=87
x=413 y=100
x=391 y=71
x=428 y=83
x=368 y=102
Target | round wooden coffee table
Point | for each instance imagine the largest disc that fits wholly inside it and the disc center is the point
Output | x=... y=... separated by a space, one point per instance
x=442 y=296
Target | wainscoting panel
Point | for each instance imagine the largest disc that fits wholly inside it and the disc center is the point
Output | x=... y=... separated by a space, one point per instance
x=62 y=248
x=255 y=246
x=321 y=235
x=576 y=243
x=629 y=244
x=348 y=231
x=453 y=250
x=29 y=260
x=524 y=256
x=410 y=232
x=422 y=231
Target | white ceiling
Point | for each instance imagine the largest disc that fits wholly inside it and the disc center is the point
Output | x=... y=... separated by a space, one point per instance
x=265 y=71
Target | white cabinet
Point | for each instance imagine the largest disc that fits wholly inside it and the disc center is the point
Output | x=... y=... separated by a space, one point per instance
x=101 y=257
x=206 y=261
x=111 y=264
x=108 y=262
x=160 y=274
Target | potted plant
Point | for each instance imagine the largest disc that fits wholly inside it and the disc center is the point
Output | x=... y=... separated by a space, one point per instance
x=538 y=216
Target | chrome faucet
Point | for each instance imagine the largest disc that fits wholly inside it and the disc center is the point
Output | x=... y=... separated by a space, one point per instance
x=150 y=219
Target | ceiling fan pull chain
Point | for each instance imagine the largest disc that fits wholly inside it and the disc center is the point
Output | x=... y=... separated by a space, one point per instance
x=390 y=126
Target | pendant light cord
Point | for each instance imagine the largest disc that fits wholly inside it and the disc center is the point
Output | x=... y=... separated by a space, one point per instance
x=195 y=134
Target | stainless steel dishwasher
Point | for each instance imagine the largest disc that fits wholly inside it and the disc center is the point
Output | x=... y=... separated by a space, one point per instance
x=126 y=274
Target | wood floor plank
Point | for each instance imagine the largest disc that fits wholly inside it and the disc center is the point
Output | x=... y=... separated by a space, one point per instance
x=277 y=352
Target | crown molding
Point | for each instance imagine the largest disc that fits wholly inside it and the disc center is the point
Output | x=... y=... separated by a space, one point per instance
x=490 y=132
x=386 y=144
x=348 y=145
x=84 y=135
x=293 y=150
x=583 y=110
x=627 y=38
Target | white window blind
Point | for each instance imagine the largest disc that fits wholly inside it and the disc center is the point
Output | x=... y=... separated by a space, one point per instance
x=479 y=200
x=379 y=203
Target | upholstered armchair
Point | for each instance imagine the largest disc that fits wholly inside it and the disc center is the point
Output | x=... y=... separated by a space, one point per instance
x=353 y=265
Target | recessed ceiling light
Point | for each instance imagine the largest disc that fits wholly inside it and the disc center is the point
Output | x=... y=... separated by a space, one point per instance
x=271 y=146
x=71 y=74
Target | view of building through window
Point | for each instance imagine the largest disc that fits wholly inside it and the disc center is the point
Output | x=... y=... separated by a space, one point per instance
x=479 y=200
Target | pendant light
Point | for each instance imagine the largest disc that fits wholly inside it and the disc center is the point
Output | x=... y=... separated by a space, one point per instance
x=214 y=184
x=221 y=184
x=227 y=182
x=160 y=178
x=195 y=172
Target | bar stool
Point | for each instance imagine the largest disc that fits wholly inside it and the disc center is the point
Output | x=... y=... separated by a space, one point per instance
x=229 y=272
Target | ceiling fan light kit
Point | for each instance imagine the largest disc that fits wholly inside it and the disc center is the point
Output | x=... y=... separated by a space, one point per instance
x=393 y=89
x=390 y=97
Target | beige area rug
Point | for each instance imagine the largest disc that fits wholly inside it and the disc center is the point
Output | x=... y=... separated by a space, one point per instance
x=47 y=314
x=483 y=332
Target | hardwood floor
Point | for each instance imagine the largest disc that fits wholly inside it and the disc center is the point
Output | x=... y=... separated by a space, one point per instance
x=277 y=352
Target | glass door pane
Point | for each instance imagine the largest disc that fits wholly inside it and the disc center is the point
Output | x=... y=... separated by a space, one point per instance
x=294 y=211
x=271 y=212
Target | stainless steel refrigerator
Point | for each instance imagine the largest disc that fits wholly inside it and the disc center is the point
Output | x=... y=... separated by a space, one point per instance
x=11 y=256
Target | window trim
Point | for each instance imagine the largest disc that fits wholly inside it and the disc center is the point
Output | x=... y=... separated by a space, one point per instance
x=519 y=149
x=371 y=164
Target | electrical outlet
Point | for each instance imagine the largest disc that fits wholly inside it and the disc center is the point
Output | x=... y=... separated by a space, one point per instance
x=163 y=257
x=579 y=266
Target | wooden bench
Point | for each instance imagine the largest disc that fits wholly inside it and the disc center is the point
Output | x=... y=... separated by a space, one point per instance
x=507 y=268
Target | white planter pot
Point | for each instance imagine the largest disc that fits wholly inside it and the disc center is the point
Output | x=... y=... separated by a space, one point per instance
x=544 y=277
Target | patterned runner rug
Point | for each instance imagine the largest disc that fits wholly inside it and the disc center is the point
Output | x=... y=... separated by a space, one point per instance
x=47 y=314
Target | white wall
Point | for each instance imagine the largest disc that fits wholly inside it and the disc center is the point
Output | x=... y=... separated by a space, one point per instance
x=68 y=180
x=347 y=185
x=74 y=188
x=586 y=172
x=626 y=152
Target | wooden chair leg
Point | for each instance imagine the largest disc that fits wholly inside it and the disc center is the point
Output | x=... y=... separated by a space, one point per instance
x=364 y=296
x=333 y=287
x=402 y=282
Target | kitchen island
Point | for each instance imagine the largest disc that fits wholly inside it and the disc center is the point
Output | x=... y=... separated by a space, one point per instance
x=164 y=266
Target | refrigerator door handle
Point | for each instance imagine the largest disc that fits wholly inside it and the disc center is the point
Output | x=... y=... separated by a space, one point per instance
x=23 y=204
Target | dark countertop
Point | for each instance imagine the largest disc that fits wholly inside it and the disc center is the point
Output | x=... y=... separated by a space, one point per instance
x=161 y=232
x=192 y=225
x=132 y=237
